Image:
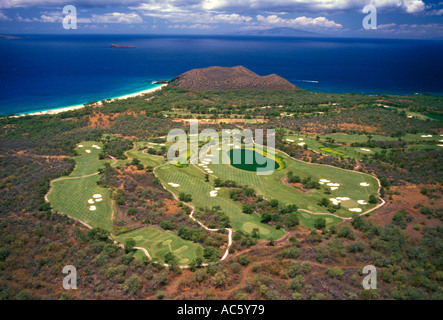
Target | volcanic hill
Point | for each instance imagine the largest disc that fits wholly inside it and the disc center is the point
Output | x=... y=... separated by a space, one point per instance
x=230 y=78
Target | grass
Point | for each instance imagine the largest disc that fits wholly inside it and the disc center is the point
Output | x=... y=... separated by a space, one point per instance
x=272 y=186
x=345 y=150
x=309 y=219
x=71 y=197
x=139 y=152
x=158 y=242
x=88 y=163
x=191 y=181
x=329 y=150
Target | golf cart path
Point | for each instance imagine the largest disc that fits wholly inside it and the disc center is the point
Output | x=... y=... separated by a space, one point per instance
x=312 y=212
x=191 y=215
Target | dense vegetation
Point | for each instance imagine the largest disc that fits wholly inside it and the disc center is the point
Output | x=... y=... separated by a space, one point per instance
x=35 y=244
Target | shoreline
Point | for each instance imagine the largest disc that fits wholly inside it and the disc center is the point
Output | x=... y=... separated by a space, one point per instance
x=80 y=106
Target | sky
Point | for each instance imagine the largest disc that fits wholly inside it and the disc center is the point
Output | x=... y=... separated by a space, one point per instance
x=338 y=18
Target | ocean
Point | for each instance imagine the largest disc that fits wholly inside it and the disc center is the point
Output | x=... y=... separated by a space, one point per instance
x=41 y=72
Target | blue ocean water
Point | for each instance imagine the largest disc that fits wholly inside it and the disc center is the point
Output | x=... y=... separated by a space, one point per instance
x=40 y=72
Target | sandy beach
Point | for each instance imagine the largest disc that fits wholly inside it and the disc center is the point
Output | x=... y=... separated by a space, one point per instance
x=71 y=108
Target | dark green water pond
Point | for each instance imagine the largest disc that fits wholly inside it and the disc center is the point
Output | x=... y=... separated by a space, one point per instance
x=250 y=160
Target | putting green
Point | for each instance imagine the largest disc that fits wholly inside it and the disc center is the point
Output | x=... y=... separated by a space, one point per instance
x=159 y=242
x=249 y=227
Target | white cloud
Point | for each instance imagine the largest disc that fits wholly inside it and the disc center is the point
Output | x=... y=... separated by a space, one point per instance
x=436 y=12
x=416 y=30
x=192 y=26
x=191 y=13
x=114 y=17
x=255 y=6
x=299 y=22
x=3 y=17
x=410 y=6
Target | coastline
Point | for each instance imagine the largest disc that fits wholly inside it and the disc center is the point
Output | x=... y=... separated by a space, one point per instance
x=80 y=106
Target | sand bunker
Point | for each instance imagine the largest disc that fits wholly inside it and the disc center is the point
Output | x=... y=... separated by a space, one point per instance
x=88 y=151
x=325 y=180
x=97 y=195
x=213 y=193
x=334 y=188
x=201 y=164
x=439 y=145
x=301 y=144
x=301 y=139
x=362 y=202
x=210 y=155
x=98 y=200
x=91 y=201
x=174 y=185
x=426 y=136
x=217 y=188
x=364 y=184
x=80 y=146
x=330 y=184
x=230 y=144
x=95 y=146
x=218 y=149
x=290 y=140
x=364 y=149
x=355 y=210
x=335 y=201
x=343 y=198
x=210 y=171
x=237 y=147
x=92 y=208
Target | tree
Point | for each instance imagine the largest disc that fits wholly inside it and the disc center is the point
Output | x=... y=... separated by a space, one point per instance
x=320 y=223
x=266 y=217
x=170 y=258
x=185 y=197
x=247 y=209
x=273 y=203
x=206 y=177
x=323 y=202
x=133 y=284
x=98 y=234
x=372 y=199
x=255 y=233
x=291 y=219
x=243 y=260
x=129 y=245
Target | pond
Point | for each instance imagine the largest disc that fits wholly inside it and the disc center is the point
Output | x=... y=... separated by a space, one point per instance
x=250 y=160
